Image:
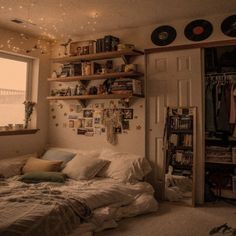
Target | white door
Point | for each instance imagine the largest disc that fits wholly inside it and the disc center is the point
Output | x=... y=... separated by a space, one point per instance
x=173 y=79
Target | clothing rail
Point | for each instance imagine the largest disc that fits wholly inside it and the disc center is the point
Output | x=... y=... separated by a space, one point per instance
x=220 y=74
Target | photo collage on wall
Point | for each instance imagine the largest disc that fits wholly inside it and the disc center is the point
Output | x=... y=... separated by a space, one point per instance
x=95 y=119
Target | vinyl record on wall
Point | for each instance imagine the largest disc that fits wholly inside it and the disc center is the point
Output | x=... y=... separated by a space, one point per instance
x=198 y=30
x=163 y=35
x=228 y=26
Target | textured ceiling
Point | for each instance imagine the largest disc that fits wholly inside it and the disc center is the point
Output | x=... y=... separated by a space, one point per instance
x=70 y=18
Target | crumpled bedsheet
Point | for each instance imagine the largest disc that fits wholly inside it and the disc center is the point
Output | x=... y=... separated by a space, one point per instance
x=56 y=209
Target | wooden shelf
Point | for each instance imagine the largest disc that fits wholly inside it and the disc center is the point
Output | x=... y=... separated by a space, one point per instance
x=220 y=162
x=181 y=131
x=85 y=97
x=99 y=56
x=183 y=148
x=97 y=76
x=82 y=98
x=18 y=132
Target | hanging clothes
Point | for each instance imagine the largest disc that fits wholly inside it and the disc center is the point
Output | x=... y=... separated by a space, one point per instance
x=220 y=104
x=222 y=119
x=210 y=113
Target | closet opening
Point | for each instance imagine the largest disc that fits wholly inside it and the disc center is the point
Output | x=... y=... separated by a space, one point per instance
x=220 y=123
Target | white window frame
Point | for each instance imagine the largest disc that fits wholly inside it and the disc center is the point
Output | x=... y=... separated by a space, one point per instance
x=29 y=76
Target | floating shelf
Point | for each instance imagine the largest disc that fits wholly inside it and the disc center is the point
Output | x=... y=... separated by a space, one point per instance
x=18 y=132
x=99 y=56
x=82 y=98
x=220 y=162
x=85 y=97
x=181 y=131
x=97 y=76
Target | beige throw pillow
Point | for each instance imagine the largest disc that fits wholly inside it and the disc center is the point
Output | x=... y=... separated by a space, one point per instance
x=36 y=164
x=84 y=166
x=13 y=166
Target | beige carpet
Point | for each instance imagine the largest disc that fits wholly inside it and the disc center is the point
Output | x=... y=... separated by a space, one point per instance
x=175 y=220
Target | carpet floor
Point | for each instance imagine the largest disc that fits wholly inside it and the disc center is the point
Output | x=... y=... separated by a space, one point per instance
x=176 y=220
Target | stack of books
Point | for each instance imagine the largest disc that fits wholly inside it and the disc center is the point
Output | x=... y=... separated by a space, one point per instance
x=107 y=44
x=124 y=86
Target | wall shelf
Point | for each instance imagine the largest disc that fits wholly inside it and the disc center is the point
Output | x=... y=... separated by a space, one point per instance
x=18 y=132
x=220 y=162
x=85 y=97
x=125 y=54
x=97 y=76
x=82 y=98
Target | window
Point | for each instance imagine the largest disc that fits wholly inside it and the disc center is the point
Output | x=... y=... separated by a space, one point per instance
x=15 y=84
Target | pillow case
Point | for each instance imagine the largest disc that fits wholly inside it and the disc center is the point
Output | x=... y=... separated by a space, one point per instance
x=124 y=167
x=43 y=176
x=36 y=164
x=54 y=154
x=13 y=166
x=84 y=166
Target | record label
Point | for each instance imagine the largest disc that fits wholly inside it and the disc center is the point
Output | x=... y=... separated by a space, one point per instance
x=228 y=26
x=163 y=35
x=198 y=30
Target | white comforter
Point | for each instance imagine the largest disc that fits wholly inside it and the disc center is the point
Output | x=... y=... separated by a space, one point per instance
x=109 y=199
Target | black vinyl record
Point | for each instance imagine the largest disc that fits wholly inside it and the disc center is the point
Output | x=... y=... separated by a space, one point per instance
x=228 y=26
x=198 y=30
x=163 y=35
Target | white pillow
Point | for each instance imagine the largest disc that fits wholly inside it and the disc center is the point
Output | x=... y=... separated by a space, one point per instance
x=84 y=166
x=124 y=167
x=13 y=166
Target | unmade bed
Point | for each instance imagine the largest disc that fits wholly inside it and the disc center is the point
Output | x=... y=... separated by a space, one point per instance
x=57 y=209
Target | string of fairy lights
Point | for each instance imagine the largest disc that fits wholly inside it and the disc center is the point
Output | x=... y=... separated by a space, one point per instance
x=48 y=33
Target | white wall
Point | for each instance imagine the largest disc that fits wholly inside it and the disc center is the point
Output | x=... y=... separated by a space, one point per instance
x=21 y=144
x=141 y=38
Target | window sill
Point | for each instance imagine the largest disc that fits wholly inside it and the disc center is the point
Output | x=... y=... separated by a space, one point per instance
x=18 y=132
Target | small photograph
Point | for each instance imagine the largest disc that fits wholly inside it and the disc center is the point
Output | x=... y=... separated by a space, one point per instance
x=97 y=120
x=81 y=131
x=71 y=123
x=125 y=124
x=88 y=123
x=88 y=113
x=78 y=108
x=89 y=132
x=72 y=117
x=81 y=123
x=127 y=114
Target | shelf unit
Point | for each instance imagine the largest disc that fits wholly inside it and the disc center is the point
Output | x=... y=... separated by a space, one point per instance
x=180 y=144
x=96 y=76
x=124 y=54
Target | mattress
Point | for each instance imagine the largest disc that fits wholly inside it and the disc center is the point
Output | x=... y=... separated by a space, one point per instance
x=57 y=209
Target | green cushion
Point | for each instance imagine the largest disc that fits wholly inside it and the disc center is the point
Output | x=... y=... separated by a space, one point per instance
x=43 y=176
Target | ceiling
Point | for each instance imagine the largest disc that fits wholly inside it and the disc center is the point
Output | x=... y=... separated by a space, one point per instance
x=60 y=19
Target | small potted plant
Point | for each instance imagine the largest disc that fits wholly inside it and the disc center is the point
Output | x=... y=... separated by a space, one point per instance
x=29 y=107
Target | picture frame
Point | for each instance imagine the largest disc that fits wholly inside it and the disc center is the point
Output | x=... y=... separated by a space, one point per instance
x=127 y=114
x=88 y=113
